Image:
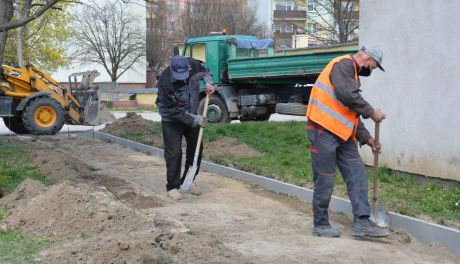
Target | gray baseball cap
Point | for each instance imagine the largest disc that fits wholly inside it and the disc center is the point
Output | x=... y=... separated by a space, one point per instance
x=375 y=53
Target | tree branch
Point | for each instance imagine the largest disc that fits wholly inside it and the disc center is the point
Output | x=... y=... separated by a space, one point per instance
x=27 y=19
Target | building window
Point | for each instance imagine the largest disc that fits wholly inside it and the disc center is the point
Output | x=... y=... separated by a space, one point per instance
x=311 y=6
x=286 y=28
x=311 y=28
x=153 y=9
x=171 y=8
x=283 y=5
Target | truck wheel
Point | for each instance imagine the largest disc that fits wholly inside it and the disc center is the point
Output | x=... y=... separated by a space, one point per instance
x=14 y=123
x=291 y=109
x=217 y=110
x=43 y=116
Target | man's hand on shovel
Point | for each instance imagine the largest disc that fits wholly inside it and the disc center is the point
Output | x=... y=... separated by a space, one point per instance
x=210 y=89
x=375 y=146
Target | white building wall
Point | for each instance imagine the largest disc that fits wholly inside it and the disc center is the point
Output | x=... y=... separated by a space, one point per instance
x=420 y=90
x=264 y=13
x=137 y=74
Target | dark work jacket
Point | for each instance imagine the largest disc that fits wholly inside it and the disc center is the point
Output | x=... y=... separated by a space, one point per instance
x=347 y=91
x=178 y=101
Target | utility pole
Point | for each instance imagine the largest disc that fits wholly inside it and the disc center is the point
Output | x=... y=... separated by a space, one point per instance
x=19 y=33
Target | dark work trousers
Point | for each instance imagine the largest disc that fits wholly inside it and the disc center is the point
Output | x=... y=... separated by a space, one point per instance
x=172 y=138
x=327 y=152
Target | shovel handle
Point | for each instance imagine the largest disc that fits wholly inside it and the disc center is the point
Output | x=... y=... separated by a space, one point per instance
x=200 y=134
x=376 y=162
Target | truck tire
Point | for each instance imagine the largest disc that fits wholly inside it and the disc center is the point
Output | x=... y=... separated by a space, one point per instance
x=291 y=109
x=15 y=124
x=43 y=116
x=217 y=110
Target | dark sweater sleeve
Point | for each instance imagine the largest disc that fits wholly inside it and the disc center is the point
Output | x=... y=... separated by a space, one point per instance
x=362 y=134
x=346 y=89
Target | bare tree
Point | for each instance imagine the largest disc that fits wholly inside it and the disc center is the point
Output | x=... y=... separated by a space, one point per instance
x=203 y=16
x=30 y=10
x=110 y=35
x=334 y=21
x=160 y=35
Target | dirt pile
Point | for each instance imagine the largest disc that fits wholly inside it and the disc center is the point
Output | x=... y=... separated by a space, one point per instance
x=59 y=167
x=24 y=192
x=132 y=122
x=64 y=210
x=90 y=225
x=230 y=147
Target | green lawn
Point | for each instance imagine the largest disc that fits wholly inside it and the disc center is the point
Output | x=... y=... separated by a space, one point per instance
x=16 y=247
x=287 y=158
x=15 y=166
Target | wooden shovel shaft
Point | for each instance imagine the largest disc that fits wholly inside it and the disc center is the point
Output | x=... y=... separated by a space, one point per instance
x=200 y=134
x=376 y=162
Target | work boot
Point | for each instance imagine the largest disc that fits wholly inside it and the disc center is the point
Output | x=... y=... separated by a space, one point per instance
x=175 y=194
x=364 y=227
x=195 y=189
x=325 y=231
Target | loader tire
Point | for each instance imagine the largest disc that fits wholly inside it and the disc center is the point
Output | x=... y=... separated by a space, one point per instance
x=15 y=124
x=43 y=116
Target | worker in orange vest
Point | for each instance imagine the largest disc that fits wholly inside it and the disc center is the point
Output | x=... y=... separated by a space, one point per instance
x=334 y=125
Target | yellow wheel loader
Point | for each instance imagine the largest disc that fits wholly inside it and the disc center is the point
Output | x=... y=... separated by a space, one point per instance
x=32 y=102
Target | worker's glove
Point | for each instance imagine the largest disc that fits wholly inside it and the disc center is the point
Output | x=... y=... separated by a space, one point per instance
x=199 y=121
x=203 y=121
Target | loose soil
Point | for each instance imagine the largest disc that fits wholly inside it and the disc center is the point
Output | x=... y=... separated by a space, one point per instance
x=132 y=123
x=111 y=207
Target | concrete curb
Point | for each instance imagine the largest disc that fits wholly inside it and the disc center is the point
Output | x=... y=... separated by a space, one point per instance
x=425 y=232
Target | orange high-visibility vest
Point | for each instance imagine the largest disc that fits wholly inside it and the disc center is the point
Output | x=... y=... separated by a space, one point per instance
x=326 y=110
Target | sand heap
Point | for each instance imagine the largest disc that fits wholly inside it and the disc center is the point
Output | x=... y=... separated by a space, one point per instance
x=90 y=225
x=132 y=122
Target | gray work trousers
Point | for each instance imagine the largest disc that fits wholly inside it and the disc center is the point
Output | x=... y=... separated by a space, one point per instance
x=327 y=152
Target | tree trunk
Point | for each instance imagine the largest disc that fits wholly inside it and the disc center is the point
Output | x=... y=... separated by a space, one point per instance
x=6 y=14
x=3 y=36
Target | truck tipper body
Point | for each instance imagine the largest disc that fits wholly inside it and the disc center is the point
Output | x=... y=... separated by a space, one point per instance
x=253 y=83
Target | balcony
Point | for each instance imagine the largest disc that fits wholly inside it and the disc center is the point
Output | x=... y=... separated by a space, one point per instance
x=282 y=36
x=290 y=15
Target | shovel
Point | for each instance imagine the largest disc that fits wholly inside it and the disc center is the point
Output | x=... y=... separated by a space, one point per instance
x=185 y=187
x=379 y=211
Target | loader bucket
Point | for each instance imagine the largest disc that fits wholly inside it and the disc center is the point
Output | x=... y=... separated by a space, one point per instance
x=96 y=113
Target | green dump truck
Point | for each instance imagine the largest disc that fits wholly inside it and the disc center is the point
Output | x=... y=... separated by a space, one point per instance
x=253 y=80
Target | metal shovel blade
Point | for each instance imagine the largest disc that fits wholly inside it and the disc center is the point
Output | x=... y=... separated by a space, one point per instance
x=379 y=214
x=185 y=187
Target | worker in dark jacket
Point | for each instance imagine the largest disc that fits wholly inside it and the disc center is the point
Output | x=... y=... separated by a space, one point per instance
x=178 y=100
x=334 y=125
